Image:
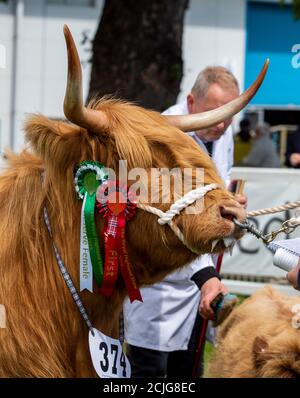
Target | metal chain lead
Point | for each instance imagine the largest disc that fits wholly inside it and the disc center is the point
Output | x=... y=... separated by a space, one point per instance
x=250 y=228
x=67 y=277
x=286 y=227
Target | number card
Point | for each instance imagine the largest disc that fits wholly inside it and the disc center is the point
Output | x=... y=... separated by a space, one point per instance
x=108 y=357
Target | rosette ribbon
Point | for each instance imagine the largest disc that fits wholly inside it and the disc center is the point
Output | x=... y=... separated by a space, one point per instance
x=88 y=177
x=117 y=206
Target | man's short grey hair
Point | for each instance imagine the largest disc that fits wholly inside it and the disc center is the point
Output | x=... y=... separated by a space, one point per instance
x=214 y=75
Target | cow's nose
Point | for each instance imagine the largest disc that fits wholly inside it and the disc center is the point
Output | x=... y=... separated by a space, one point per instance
x=231 y=211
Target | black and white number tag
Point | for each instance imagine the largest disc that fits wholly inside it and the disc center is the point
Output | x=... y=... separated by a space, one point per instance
x=108 y=357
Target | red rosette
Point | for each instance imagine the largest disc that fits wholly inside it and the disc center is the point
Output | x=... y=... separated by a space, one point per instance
x=115 y=198
x=117 y=205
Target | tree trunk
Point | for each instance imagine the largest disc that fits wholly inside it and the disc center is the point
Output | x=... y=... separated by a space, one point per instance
x=137 y=51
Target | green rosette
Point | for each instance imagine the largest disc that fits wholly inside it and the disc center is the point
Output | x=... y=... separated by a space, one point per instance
x=88 y=177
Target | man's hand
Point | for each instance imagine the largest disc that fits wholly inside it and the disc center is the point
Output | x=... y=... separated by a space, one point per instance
x=242 y=199
x=295 y=159
x=292 y=276
x=209 y=291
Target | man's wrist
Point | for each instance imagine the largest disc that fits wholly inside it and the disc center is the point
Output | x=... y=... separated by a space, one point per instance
x=204 y=275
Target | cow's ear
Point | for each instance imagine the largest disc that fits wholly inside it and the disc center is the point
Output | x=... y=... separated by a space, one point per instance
x=52 y=139
x=260 y=351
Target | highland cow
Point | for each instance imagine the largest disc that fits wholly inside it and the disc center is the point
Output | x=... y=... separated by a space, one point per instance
x=260 y=338
x=45 y=336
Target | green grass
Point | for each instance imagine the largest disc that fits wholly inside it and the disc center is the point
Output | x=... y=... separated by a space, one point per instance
x=209 y=350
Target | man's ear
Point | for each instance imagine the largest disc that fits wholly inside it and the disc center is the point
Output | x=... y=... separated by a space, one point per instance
x=52 y=140
x=260 y=351
x=191 y=103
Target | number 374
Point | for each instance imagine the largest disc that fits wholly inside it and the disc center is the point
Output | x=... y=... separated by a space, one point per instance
x=110 y=363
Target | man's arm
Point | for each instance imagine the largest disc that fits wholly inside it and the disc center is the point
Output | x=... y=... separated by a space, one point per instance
x=209 y=283
x=202 y=276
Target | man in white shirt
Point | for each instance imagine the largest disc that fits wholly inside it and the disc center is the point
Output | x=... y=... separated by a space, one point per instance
x=162 y=332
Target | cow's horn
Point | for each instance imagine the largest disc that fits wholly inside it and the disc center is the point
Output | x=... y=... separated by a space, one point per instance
x=198 y=121
x=74 y=109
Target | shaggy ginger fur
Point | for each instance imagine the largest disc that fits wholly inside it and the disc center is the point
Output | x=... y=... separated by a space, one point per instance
x=45 y=336
x=258 y=339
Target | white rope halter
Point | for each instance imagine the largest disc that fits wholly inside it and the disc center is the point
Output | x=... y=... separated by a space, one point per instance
x=176 y=208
